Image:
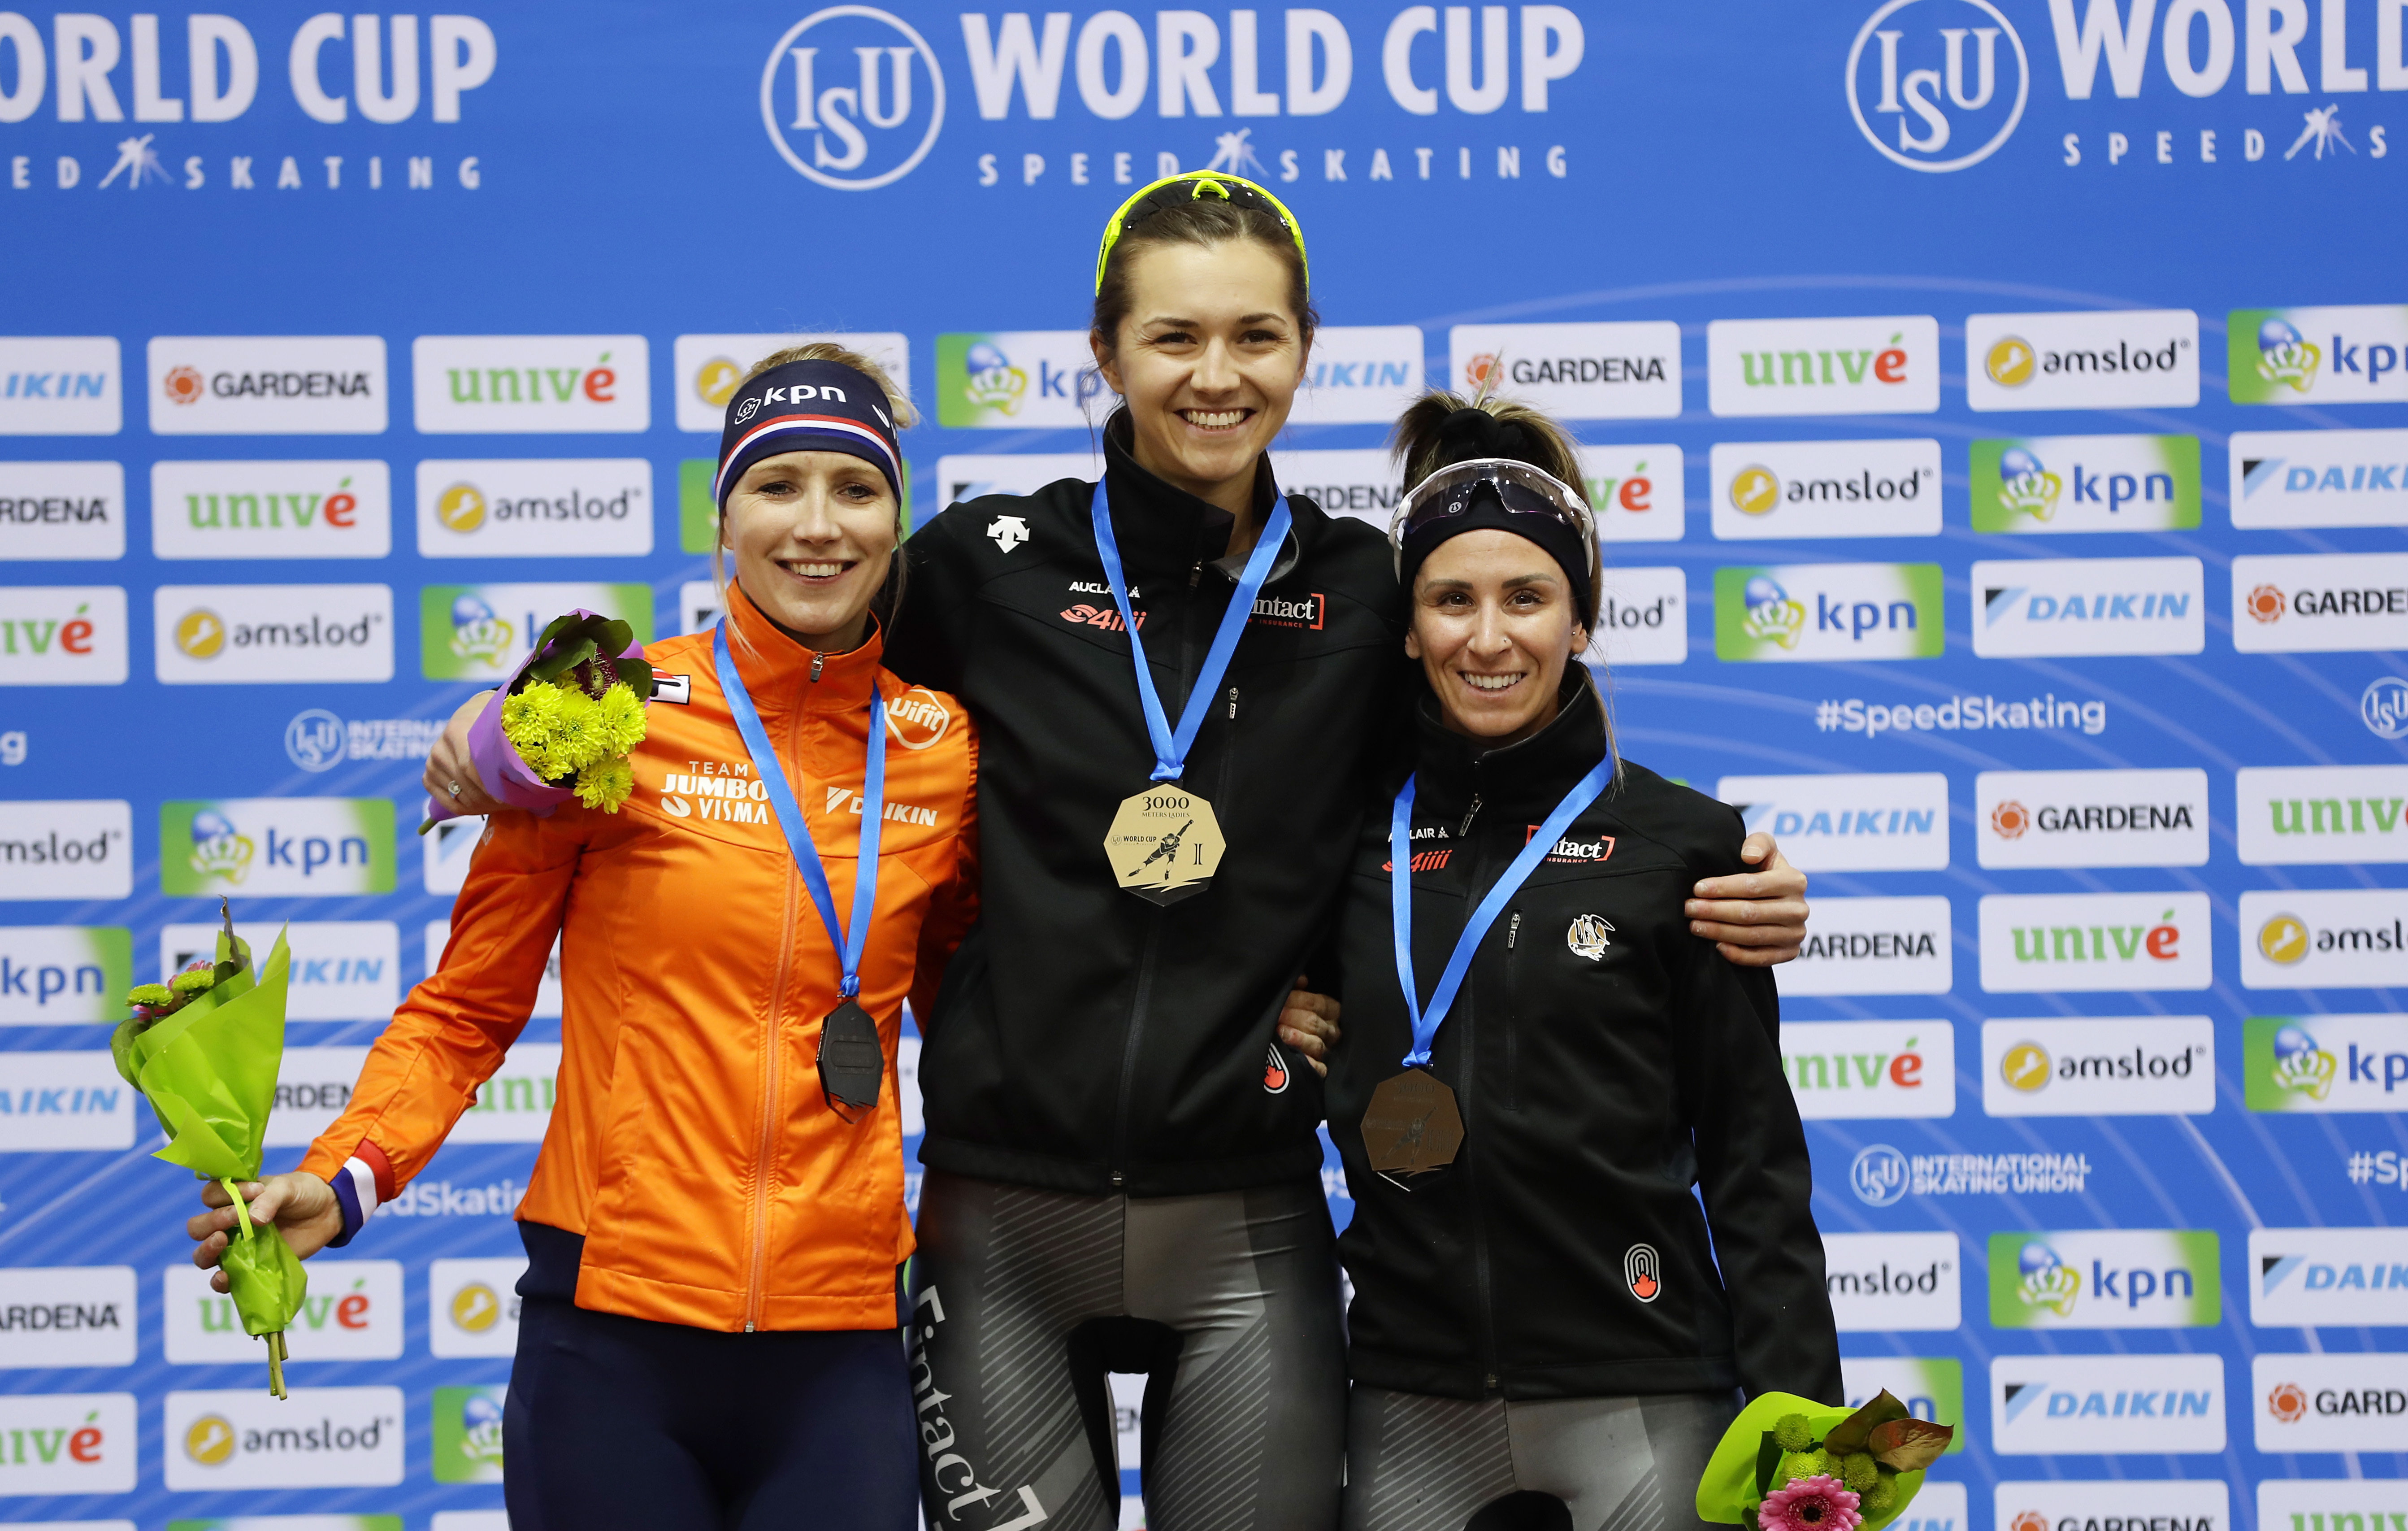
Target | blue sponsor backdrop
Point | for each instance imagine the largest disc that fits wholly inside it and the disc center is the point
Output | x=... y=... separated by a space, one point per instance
x=2118 y=179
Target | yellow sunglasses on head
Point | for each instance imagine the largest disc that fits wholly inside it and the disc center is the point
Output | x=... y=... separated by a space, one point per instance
x=1201 y=184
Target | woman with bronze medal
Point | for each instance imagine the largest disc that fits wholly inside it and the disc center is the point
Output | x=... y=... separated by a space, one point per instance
x=1541 y=1060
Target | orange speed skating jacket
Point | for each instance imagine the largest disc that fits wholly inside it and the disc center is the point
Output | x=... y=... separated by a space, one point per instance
x=690 y=1143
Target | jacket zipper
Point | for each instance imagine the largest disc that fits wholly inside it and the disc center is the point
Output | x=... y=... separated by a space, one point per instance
x=1468 y=815
x=770 y=1071
x=1512 y=1017
x=1478 y=1223
x=1228 y=760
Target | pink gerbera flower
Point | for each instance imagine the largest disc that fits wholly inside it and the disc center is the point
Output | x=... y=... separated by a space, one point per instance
x=1810 y=1504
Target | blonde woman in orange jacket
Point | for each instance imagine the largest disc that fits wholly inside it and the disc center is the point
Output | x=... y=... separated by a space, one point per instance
x=716 y=1216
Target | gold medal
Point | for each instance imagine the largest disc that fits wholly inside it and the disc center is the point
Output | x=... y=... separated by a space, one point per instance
x=1412 y=1126
x=1164 y=844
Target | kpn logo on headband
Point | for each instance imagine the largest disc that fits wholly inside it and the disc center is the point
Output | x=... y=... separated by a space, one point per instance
x=852 y=97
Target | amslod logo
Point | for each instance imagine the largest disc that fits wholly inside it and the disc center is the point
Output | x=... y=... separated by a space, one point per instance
x=316 y=1438
x=1783 y=489
x=312 y=847
x=2089 y=1405
x=2297 y=938
x=1870 y=1068
x=852 y=96
x=2143 y=1066
x=2121 y=1278
x=1937 y=85
x=66 y=849
x=1880 y=1282
x=2134 y=359
x=473 y=1306
x=2341 y=1278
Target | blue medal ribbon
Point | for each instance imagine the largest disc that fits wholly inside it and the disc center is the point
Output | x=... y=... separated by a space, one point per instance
x=790 y=815
x=1170 y=749
x=1517 y=872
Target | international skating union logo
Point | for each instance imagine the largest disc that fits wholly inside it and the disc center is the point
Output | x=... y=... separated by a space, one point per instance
x=852 y=97
x=1952 y=75
x=1879 y=1175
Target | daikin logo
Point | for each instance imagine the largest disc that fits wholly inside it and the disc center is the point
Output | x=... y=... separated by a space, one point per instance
x=1937 y=85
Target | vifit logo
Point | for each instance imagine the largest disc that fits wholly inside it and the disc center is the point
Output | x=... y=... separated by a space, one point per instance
x=1828 y=612
x=1878 y=366
x=1010 y=379
x=515 y=1104
x=2329 y=355
x=1358 y=374
x=59 y=975
x=249 y=634
x=60 y=385
x=1880 y=1282
x=480 y=632
x=547 y=989
x=473 y=1306
x=2330 y=1403
x=2325 y=1063
x=565 y=384
x=2091 y=819
x=2346 y=1504
x=2145 y=1066
x=1931 y=1387
x=66 y=849
x=2121 y=1504
x=2319 y=478
x=308 y=847
x=1875 y=946
x=2304 y=816
x=2119 y=1279
x=317 y=1437
x=469 y=1434
x=1895 y=822
x=2030 y=607
x=66 y=1315
x=67 y=1443
x=64 y=1103
x=710 y=367
x=2041 y=943
x=534 y=508
x=2328 y=1278
x=1895 y=71
x=1643 y=617
x=1634 y=492
x=342 y=970
x=2051 y=483
x=271 y=509
x=1779 y=489
x=1854 y=1069
x=267 y=386
x=352 y=1312
x=63 y=635
x=313 y=1087
x=2090 y=1404
x=1619 y=371
x=61 y=511
x=2340 y=938
x=2320 y=603
x=2141 y=358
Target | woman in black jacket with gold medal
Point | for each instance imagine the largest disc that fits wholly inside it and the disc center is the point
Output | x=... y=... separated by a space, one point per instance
x=1541 y=1060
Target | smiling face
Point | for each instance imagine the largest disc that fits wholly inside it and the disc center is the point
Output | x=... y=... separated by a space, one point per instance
x=1494 y=625
x=812 y=533
x=1207 y=360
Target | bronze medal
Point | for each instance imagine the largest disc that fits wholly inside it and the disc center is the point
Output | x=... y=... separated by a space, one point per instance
x=1412 y=1126
x=1164 y=844
x=852 y=1061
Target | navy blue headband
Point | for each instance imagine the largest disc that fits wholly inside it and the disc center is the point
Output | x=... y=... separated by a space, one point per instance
x=808 y=406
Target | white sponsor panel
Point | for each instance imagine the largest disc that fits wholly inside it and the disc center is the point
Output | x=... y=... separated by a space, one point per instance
x=698 y=605
x=267 y=384
x=1363 y=374
x=2330 y=1403
x=1875 y=946
x=59 y=511
x=971 y=475
x=2131 y=359
x=2143 y=1066
x=472 y=1306
x=470 y=1520
x=2094 y=1405
x=1849 y=1069
x=334 y=509
x=1893 y=822
x=446 y=851
x=514 y=385
x=2042 y=943
x=515 y=1104
x=1643 y=617
x=63 y=635
x=533 y=507
x=2045 y=606
x=66 y=849
x=1359 y=484
x=317 y=1437
x=2319 y=478
x=1869 y=365
x=2091 y=819
x=2320 y=603
x=60 y=1101
x=2328 y=1278
x=2330 y=1504
x=2122 y=1504
x=1634 y=493
x=251 y=634
x=60 y=385
x=1940 y=1504
x=67 y=1443
x=1594 y=371
x=66 y=1315
x=2338 y=354
x=341 y=970
x=2304 y=815
x=710 y=367
x=1023 y=379
x=547 y=990
x=2333 y=938
x=1781 y=490
x=352 y=1312
x=59 y=975
x=1880 y=1282
x=313 y=1087
x=2326 y=1064
x=913 y=1106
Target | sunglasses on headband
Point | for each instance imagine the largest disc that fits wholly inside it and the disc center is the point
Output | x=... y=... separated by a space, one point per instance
x=1195 y=186
x=1521 y=489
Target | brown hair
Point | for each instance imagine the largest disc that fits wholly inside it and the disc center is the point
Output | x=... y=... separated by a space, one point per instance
x=1544 y=445
x=1207 y=221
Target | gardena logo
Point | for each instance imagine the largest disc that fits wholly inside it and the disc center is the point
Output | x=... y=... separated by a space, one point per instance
x=1895 y=72
x=859 y=137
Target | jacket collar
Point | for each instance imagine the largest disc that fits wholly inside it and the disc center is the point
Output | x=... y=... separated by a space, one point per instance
x=1528 y=778
x=1164 y=531
x=777 y=671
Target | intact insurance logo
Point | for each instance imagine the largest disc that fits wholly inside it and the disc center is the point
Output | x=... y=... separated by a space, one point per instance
x=2319 y=478
x=271 y=509
x=2027 y=607
x=2330 y=1403
x=63 y=635
x=67 y=1442
x=1850 y=1069
x=852 y=96
x=1880 y=1282
x=317 y=1437
x=238 y=634
x=2308 y=1277
x=1828 y=612
x=2050 y=483
x=2124 y=1278
x=2145 y=1066
x=322 y=847
x=2296 y=938
x=2040 y=943
x=1894 y=822
x=1938 y=85
x=2356 y=354
x=2091 y=819
x=2090 y=1404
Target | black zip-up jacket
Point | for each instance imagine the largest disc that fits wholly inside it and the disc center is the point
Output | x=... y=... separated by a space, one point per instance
x=1085 y=1039
x=1605 y=1059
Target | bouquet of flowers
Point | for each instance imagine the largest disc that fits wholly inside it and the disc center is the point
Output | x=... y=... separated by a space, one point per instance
x=203 y=1048
x=566 y=722
x=1790 y=1464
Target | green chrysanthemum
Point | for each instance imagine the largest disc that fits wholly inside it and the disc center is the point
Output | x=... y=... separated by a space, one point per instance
x=620 y=716
x=604 y=783
x=1809 y=1463
x=1858 y=1470
x=1879 y=1499
x=193 y=981
x=151 y=994
x=1793 y=1433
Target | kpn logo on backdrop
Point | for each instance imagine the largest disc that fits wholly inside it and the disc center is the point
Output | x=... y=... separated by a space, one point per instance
x=322 y=847
x=480 y=632
x=2325 y=1063
x=2121 y=1278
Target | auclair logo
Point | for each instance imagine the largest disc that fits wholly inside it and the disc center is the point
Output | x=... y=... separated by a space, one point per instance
x=1904 y=55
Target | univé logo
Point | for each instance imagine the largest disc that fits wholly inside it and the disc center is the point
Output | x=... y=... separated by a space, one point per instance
x=1937 y=85
x=852 y=97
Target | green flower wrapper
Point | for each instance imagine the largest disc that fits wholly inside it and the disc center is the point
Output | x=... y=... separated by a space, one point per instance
x=1746 y=1465
x=208 y=1072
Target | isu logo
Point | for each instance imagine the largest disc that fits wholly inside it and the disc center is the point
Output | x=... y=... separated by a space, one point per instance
x=1275 y=1073
x=2265 y=603
x=182 y=385
x=2287 y=1402
x=1642 y=1272
x=2009 y=820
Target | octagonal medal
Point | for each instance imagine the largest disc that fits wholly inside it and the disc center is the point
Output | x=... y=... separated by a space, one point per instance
x=1164 y=844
